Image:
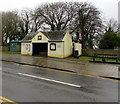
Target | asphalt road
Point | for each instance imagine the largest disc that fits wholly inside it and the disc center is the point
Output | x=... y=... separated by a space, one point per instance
x=29 y=84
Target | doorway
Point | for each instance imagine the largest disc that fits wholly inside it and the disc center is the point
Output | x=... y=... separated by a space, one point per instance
x=40 y=49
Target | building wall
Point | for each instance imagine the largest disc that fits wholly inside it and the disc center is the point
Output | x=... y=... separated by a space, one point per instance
x=26 y=48
x=58 y=52
x=67 y=45
x=18 y=48
x=43 y=38
x=78 y=47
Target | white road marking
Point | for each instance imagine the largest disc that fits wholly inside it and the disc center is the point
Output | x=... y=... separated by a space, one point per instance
x=73 y=85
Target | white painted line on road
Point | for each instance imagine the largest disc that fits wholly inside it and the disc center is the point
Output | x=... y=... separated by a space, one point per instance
x=69 y=84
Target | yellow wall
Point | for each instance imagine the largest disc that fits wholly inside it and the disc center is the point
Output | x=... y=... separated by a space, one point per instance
x=26 y=48
x=35 y=38
x=58 y=52
x=63 y=49
x=78 y=46
x=67 y=45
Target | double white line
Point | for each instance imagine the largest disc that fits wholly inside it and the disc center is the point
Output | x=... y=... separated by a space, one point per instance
x=69 y=84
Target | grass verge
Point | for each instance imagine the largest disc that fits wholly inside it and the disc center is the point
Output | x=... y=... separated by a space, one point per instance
x=87 y=59
x=10 y=52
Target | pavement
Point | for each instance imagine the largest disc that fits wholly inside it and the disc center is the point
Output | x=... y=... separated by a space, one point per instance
x=80 y=67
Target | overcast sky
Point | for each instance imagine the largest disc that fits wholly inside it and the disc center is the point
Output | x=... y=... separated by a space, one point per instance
x=108 y=8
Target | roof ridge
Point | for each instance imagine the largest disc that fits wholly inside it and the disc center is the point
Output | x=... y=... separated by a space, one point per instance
x=51 y=35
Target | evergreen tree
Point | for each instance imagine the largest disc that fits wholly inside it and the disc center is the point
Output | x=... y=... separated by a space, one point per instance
x=110 y=40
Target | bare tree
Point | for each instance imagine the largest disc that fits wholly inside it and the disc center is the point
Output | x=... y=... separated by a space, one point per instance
x=112 y=25
x=10 y=26
x=87 y=23
x=24 y=23
x=81 y=18
x=29 y=21
x=36 y=21
x=56 y=15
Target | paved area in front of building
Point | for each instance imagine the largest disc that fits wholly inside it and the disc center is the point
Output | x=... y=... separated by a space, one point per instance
x=96 y=69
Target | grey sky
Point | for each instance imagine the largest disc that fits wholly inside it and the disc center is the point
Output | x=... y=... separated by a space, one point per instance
x=108 y=8
x=119 y=12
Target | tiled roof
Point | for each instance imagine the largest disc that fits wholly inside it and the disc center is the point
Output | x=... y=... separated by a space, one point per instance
x=54 y=35
x=51 y=35
x=29 y=37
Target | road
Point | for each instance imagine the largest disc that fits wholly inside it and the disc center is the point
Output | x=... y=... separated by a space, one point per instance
x=22 y=83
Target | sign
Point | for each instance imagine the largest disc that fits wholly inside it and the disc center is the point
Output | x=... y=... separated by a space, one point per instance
x=53 y=46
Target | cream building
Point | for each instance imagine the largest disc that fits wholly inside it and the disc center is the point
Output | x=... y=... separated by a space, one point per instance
x=53 y=44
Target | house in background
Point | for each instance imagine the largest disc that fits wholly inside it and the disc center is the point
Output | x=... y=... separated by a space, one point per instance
x=53 y=44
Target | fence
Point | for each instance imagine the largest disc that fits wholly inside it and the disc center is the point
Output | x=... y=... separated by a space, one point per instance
x=90 y=52
x=4 y=48
x=7 y=48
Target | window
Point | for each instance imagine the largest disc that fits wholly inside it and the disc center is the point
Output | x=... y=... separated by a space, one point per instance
x=53 y=46
x=39 y=37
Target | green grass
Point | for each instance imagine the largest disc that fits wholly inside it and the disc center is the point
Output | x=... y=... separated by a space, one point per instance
x=87 y=59
x=106 y=59
x=10 y=52
x=90 y=58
